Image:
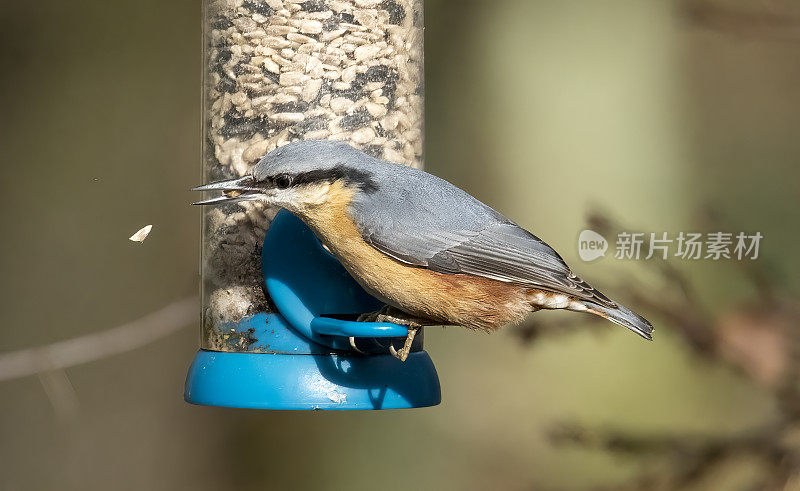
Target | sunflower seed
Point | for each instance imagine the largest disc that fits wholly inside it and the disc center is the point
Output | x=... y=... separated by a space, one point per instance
x=141 y=234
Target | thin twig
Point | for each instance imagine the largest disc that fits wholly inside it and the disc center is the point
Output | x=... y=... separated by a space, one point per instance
x=83 y=349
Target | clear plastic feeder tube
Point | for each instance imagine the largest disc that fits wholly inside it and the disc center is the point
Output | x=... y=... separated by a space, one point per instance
x=277 y=71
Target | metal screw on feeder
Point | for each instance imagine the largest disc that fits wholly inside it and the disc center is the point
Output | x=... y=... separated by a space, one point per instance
x=277 y=72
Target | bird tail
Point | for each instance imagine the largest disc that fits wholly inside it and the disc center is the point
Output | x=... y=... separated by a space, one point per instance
x=624 y=317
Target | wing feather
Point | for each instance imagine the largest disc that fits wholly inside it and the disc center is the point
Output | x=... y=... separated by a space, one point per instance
x=433 y=224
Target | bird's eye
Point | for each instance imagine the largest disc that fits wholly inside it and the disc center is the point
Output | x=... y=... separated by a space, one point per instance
x=283 y=181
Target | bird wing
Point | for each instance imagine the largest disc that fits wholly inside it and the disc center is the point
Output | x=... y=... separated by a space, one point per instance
x=440 y=227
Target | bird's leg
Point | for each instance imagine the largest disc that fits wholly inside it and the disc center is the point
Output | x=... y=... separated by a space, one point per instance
x=406 y=349
x=395 y=316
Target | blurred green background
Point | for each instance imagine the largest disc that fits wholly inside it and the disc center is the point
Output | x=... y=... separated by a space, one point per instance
x=546 y=110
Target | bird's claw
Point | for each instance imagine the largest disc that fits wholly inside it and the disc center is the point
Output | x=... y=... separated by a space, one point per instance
x=354 y=346
x=402 y=354
x=377 y=316
x=389 y=314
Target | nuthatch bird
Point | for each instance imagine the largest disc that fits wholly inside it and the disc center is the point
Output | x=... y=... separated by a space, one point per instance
x=432 y=253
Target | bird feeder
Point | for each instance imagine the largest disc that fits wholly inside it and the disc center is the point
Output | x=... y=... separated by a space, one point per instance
x=279 y=312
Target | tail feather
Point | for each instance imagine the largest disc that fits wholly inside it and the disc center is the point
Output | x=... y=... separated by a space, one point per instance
x=624 y=317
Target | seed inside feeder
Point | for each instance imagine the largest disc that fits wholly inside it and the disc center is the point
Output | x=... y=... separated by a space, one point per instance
x=277 y=71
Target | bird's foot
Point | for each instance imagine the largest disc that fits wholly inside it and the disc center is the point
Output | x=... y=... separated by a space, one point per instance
x=403 y=352
x=383 y=312
x=394 y=316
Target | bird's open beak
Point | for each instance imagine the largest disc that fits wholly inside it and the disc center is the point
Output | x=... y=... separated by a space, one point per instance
x=233 y=190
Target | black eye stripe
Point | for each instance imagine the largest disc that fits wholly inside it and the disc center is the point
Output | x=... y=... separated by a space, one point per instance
x=357 y=177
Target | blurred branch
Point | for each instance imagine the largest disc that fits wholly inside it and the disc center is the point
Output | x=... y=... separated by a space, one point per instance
x=534 y=329
x=758 y=337
x=83 y=349
x=763 y=23
x=692 y=456
x=684 y=312
x=61 y=393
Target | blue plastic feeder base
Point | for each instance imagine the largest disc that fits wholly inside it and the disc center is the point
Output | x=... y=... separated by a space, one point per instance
x=312 y=381
x=300 y=357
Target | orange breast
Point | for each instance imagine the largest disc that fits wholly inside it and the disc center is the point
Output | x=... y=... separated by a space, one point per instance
x=459 y=299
